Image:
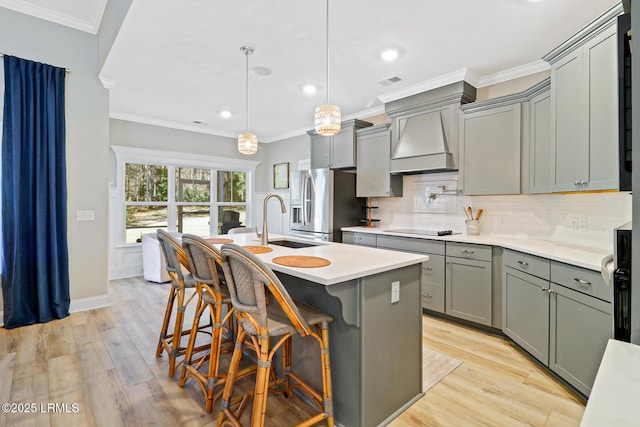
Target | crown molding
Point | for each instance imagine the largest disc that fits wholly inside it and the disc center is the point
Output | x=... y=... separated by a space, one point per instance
x=601 y=23
x=90 y=26
x=514 y=73
x=108 y=83
x=453 y=77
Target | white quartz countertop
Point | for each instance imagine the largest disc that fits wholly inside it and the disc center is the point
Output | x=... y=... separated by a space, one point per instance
x=581 y=256
x=615 y=394
x=348 y=262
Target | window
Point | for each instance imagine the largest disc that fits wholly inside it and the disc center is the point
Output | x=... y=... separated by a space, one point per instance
x=158 y=193
x=146 y=199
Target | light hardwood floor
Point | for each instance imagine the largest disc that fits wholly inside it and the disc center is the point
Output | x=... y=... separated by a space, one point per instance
x=104 y=361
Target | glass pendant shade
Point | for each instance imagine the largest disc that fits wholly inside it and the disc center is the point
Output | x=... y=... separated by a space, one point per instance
x=247 y=143
x=327 y=120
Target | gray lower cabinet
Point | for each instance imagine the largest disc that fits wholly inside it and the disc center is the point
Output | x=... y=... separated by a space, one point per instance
x=580 y=324
x=525 y=306
x=433 y=285
x=560 y=314
x=432 y=280
x=468 y=282
x=362 y=239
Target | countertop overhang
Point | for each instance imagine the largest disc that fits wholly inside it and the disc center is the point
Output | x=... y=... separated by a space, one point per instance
x=582 y=256
x=348 y=262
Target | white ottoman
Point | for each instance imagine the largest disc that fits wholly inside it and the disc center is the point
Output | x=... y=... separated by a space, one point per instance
x=154 y=265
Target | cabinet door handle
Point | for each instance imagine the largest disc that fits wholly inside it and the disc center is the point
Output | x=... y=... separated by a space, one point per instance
x=465 y=251
x=428 y=268
x=427 y=295
x=551 y=291
x=544 y=289
x=576 y=182
x=582 y=283
x=524 y=264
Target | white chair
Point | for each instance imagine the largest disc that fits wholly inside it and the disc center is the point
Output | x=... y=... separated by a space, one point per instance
x=238 y=230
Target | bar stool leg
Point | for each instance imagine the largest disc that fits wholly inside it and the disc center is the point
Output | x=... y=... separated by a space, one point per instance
x=226 y=415
x=262 y=381
x=327 y=392
x=165 y=322
x=200 y=307
x=177 y=332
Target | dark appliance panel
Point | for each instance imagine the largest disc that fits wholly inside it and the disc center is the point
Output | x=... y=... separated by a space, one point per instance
x=622 y=284
x=624 y=101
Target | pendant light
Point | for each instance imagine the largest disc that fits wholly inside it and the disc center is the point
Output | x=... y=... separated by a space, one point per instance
x=327 y=117
x=247 y=142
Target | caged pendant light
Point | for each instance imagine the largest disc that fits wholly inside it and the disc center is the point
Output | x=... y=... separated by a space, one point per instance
x=327 y=117
x=247 y=142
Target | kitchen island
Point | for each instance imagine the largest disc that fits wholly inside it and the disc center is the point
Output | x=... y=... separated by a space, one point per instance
x=375 y=345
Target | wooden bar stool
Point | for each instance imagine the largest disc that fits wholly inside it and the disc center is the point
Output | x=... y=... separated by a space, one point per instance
x=247 y=278
x=206 y=268
x=176 y=259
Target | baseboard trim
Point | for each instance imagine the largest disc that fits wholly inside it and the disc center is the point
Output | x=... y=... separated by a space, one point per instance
x=80 y=304
x=124 y=272
x=84 y=304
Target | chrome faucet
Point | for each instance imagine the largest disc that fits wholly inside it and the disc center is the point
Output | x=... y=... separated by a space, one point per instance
x=265 y=233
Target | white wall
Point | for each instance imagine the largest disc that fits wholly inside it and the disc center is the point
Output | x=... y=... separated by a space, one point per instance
x=543 y=216
x=87 y=106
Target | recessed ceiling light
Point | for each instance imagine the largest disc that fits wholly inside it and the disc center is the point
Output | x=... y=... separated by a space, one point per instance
x=225 y=114
x=389 y=54
x=309 y=89
x=261 y=71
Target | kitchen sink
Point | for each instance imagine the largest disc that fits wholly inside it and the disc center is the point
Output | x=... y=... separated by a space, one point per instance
x=292 y=244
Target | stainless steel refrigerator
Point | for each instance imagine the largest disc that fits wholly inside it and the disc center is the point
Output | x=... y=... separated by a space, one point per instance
x=322 y=202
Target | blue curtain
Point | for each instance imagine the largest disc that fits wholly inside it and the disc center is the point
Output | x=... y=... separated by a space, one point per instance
x=35 y=272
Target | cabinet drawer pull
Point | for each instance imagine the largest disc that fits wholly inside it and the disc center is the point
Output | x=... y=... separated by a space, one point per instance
x=576 y=182
x=427 y=295
x=581 y=282
x=544 y=289
x=428 y=268
x=524 y=264
x=465 y=251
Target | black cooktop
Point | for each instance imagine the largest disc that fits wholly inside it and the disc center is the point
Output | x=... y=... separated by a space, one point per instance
x=423 y=232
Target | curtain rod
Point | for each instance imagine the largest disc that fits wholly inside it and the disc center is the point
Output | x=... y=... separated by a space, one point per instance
x=66 y=69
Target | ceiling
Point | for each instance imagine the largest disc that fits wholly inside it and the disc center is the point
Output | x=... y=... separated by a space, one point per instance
x=176 y=63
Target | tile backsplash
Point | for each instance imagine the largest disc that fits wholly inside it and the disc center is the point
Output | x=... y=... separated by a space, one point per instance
x=579 y=218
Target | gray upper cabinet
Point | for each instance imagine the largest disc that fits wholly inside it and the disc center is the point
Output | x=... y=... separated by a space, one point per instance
x=338 y=151
x=373 y=177
x=320 y=151
x=584 y=108
x=490 y=148
x=541 y=156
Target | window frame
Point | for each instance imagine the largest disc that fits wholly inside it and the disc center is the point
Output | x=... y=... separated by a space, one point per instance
x=173 y=160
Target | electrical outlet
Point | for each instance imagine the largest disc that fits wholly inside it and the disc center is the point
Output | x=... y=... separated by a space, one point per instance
x=85 y=215
x=574 y=223
x=395 y=292
x=582 y=223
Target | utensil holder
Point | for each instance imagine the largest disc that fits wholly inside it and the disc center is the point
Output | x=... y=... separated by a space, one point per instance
x=473 y=226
